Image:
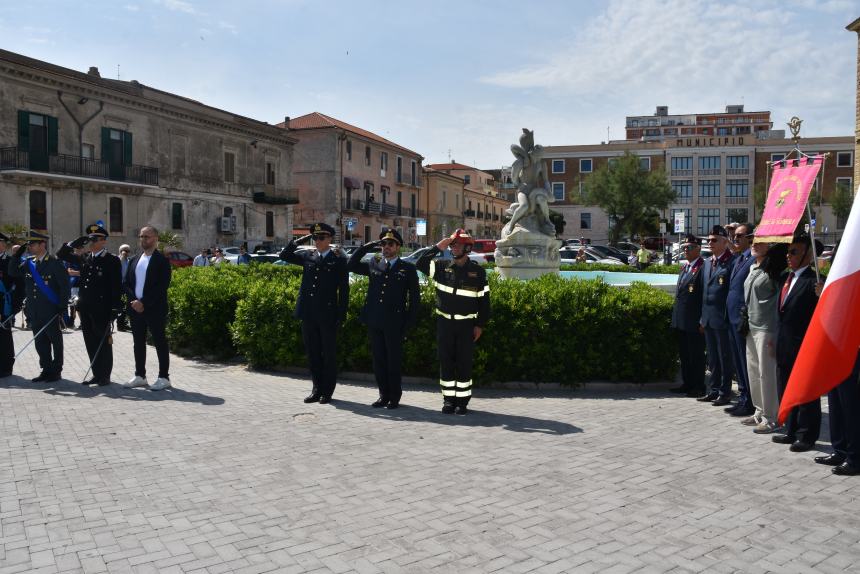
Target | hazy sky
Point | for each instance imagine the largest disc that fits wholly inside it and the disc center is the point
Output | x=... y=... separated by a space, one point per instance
x=466 y=76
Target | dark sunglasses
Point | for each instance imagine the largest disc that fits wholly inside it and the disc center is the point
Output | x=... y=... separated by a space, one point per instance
x=714 y=240
x=689 y=247
x=321 y=236
x=796 y=252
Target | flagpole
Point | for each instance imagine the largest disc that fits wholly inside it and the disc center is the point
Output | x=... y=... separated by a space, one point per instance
x=794 y=126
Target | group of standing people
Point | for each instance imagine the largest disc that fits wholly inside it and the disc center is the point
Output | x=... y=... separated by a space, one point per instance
x=39 y=282
x=747 y=308
x=390 y=310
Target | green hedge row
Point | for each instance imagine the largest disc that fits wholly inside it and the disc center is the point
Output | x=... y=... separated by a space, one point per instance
x=655 y=268
x=545 y=330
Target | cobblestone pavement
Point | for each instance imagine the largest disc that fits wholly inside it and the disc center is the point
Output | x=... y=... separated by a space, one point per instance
x=231 y=472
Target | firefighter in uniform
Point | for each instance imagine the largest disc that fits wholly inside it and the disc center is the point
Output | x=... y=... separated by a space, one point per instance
x=11 y=297
x=463 y=309
x=391 y=308
x=321 y=306
x=46 y=289
x=99 y=298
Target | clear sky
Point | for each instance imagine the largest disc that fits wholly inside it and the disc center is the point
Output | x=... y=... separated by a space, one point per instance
x=465 y=76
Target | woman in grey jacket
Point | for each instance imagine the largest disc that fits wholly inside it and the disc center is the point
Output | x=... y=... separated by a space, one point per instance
x=761 y=291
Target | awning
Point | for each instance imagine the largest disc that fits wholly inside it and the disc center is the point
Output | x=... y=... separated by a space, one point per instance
x=351 y=182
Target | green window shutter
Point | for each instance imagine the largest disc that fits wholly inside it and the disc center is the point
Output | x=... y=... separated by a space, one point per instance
x=105 y=145
x=23 y=130
x=126 y=144
x=53 y=135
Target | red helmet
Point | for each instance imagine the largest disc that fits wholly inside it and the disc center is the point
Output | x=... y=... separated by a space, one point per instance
x=462 y=236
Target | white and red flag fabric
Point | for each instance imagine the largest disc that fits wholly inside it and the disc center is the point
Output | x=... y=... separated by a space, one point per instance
x=829 y=349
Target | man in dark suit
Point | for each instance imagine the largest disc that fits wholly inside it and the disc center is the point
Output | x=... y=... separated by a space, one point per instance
x=734 y=305
x=391 y=308
x=715 y=289
x=844 y=419
x=99 y=298
x=11 y=298
x=797 y=301
x=686 y=314
x=46 y=287
x=145 y=285
x=321 y=306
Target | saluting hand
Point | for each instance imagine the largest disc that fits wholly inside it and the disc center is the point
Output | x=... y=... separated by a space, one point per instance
x=79 y=242
x=304 y=238
x=443 y=244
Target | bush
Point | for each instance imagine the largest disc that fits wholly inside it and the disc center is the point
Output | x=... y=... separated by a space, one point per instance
x=655 y=268
x=546 y=330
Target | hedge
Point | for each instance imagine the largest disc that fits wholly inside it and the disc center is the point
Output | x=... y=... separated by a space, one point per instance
x=545 y=330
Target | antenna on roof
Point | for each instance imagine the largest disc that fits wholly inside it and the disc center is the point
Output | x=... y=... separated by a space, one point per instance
x=117 y=71
x=449 y=155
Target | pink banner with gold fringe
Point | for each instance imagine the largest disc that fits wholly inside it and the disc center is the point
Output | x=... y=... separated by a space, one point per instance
x=789 y=190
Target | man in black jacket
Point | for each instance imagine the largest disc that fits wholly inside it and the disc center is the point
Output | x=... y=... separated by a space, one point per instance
x=99 y=298
x=145 y=285
x=685 y=319
x=797 y=301
x=11 y=298
x=391 y=308
x=321 y=306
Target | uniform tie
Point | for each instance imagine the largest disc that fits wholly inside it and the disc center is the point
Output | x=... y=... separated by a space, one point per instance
x=785 y=289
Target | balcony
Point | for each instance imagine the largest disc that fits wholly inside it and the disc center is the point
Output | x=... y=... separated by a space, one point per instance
x=11 y=158
x=469 y=213
x=709 y=172
x=269 y=194
x=709 y=200
x=737 y=171
x=738 y=199
x=684 y=199
x=682 y=172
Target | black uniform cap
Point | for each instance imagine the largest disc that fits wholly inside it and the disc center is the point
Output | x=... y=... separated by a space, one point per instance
x=391 y=234
x=692 y=239
x=96 y=230
x=3 y=237
x=720 y=231
x=34 y=236
x=321 y=227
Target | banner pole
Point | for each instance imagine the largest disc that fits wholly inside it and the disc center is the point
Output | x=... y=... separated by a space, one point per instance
x=812 y=242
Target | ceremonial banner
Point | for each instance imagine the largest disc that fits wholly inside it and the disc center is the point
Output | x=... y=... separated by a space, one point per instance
x=830 y=346
x=789 y=190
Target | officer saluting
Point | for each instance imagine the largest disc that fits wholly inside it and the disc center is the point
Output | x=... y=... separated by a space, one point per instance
x=99 y=297
x=391 y=308
x=46 y=288
x=11 y=297
x=321 y=306
x=463 y=309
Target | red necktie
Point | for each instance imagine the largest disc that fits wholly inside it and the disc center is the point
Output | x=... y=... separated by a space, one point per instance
x=785 y=289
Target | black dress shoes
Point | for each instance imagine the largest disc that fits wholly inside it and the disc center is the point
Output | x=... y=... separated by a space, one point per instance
x=392 y=405
x=782 y=439
x=830 y=459
x=461 y=410
x=679 y=390
x=93 y=381
x=312 y=398
x=800 y=446
x=379 y=403
x=708 y=398
x=325 y=399
x=695 y=393
x=846 y=469
x=104 y=382
x=722 y=401
x=448 y=409
x=742 y=412
x=51 y=377
x=41 y=378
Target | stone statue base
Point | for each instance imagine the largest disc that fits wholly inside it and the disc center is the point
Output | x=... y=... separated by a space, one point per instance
x=525 y=254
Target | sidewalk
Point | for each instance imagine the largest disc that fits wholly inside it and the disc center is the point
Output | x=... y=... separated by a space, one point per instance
x=231 y=472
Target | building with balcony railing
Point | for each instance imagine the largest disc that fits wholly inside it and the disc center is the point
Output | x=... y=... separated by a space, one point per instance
x=661 y=126
x=76 y=148
x=482 y=199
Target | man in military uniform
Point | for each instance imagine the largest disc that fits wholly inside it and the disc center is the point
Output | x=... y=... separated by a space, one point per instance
x=11 y=297
x=686 y=314
x=715 y=321
x=391 y=308
x=463 y=309
x=99 y=297
x=321 y=306
x=46 y=288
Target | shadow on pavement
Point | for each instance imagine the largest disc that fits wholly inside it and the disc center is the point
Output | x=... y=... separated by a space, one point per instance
x=65 y=387
x=475 y=418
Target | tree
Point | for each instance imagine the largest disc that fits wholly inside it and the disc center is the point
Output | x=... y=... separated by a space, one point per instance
x=14 y=231
x=557 y=219
x=759 y=199
x=841 y=202
x=167 y=239
x=630 y=196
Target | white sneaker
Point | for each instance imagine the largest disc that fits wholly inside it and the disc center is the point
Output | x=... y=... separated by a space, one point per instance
x=160 y=384
x=135 y=381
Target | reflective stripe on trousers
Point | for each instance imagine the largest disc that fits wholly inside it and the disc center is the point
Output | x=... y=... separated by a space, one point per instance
x=456 y=388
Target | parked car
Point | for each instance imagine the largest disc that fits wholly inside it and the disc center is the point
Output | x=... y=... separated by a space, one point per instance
x=607 y=251
x=179 y=259
x=568 y=256
x=265 y=258
x=484 y=246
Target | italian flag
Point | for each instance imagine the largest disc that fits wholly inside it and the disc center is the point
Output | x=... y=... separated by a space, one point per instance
x=829 y=349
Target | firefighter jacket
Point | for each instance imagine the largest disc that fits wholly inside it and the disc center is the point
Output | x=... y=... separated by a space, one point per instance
x=462 y=291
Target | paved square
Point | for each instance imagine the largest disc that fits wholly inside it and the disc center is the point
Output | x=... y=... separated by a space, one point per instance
x=231 y=472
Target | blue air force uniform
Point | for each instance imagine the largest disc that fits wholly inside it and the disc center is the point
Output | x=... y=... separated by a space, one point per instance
x=686 y=313
x=716 y=274
x=321 y=306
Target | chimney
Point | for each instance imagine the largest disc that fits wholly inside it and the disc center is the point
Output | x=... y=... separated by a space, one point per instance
x=286 y=122
x=94 y=71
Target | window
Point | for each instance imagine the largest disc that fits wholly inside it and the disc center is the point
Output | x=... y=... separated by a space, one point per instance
x=270 y=224
x=777 y=157
x=558 y=190
x=688 y=224
x=457 y=202
x=585 y=220
x=709 y=190
x=738 y=162
x=724 y=131
x=467 y=179
x=399 y=203
x=844 y=181
x=707 y=219
x=383 y=162
x=414 y=206
x=367 y=155
x=709 y=162
x=585 y=166
x=682 y=163
x=176 y=216
x=844 y=159
x=270 y=173
x=384 y=190
x=88 y=151
x=348 y=150
x=38 y=210
x=444 y=198
x=645 y=163
x=683 y=191
x=229 y=167
x=399 y=169
x=115 y=215
x=738 y=214
x=116 y=152
x=612 y=162
x=558 y=166
x=414 y=167
x=737 y=189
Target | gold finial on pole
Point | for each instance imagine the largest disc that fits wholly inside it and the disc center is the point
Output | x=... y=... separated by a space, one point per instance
x=794 y=126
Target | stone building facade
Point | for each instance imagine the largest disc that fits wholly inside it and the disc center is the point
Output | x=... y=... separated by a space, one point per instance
x=483 y=205
x=77 y=148
x=444 y=200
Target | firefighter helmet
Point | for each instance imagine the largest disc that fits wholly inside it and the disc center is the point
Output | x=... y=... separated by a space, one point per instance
x=462 y=236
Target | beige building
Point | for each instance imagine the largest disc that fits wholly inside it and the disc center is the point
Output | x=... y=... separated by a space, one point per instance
x=355 y=180
x=443 y=203
x=77 y=148
x=483 y=204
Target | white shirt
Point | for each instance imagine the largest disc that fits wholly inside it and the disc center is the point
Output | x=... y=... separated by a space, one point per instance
x=140 y=274
x=324 y=253
x=797 y=274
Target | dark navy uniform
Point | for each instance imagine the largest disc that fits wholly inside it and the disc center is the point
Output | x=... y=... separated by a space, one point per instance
x=99 y=301
x=716 y=275
x=11 y=298
x=45 y=310
x=462 y=303
x=686 y=314
x=391 y=308
x=321 y=306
